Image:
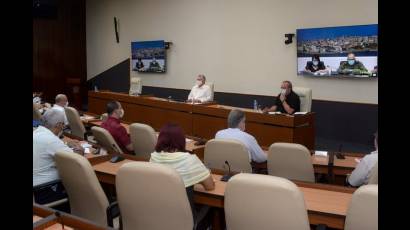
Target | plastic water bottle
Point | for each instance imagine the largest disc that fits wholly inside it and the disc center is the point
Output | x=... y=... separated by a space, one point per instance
x=255 y=105
x=95 y=89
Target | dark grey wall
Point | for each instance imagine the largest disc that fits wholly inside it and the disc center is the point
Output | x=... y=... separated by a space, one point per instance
x=338 y=121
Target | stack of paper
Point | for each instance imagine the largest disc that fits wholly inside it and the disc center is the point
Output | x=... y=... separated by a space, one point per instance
x=275 y=112
x=301 y=113
x=321 y=153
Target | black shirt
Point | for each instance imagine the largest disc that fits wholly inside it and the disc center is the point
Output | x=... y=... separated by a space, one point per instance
x=293 y=101
x=309 y=66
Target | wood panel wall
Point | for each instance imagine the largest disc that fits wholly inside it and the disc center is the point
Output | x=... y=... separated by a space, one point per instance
x=59 y=52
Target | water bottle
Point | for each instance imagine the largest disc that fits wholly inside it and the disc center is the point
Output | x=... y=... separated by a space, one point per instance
x=255 y=105
x=95 y=89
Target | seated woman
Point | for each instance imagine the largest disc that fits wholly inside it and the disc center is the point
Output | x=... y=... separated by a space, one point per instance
x=170 y=151
x=315 y=66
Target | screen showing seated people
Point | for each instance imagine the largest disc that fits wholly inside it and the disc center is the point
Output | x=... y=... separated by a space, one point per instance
x=148 y=56
x=344 y=51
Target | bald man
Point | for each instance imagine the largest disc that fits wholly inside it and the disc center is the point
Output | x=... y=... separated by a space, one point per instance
x=287 y=101
x=61 y=102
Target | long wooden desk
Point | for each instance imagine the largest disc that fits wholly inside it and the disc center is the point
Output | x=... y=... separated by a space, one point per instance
x=46 y=218
x=326 y=204
x=190 y=145
x=205 y=120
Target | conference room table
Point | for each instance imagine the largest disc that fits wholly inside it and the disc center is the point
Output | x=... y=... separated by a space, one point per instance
x=204 y=120
x=50 y=219
x=326 y=204
x=192 y=144
x=341 y=167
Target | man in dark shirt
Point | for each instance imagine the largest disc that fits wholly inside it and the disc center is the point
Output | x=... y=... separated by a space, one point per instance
x=287 y=101
x=114 y=127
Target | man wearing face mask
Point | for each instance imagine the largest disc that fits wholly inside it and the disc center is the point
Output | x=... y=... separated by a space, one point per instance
x=200 y=93
x=236 y=131
x=352 y=66
x=61 y=102
x=114 y=127
x=287 y=101
x=46 y=143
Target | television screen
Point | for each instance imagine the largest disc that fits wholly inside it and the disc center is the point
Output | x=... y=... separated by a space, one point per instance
x=338 y=51
x=148 y=56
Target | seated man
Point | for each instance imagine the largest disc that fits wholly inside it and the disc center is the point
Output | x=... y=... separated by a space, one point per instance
x=361 y=174
x=113 y=125
x=200 y=92
x=61 y=102
x=46 y=143
x=236 y=131
x=352 y=66
x=154 y=65
x=287 y=101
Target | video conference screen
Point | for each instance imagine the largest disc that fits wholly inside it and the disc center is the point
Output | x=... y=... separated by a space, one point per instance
x=338 y=51
x=148 y=56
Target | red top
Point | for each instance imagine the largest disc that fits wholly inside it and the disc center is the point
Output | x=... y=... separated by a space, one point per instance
x=118 y=132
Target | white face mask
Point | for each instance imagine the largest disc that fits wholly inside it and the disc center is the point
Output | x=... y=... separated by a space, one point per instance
x=315 y=62
x=121 y=113
x=198 y=83
x=66 y=104
x=283 y=91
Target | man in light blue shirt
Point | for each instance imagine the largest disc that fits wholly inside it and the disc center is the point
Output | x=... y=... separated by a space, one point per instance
x=236 y=131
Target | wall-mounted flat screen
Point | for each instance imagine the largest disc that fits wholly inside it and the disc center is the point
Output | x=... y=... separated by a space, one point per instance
x=344 y=51
x=148 y=56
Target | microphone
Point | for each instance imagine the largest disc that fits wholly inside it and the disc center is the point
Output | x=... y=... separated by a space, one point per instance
x=227 y=176
x=339 y=154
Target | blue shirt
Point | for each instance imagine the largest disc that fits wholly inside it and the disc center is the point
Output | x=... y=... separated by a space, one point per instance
x=248 y=140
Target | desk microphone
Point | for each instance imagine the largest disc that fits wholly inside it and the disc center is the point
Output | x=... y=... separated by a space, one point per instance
x=339 y=154
x=227 y=176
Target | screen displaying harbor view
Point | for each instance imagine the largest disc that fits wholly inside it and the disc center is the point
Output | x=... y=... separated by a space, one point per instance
x=338 y=51
x=148 y=56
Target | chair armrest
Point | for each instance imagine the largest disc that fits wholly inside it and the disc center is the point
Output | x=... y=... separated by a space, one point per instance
x=113 y=211
x=46 y=185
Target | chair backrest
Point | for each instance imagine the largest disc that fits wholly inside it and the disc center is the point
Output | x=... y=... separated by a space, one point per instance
x=135 y=85
x=74 y=120
x=362 y=213
x=374 y=174
x=291 y=161
x=87 y=198
x=143 y=138
x=152 y=196
x=254 y=201
x=217 y=151
x=104 y=117
x=36 y=113
x=305 y=95
x=104 y=138
x=211 y=86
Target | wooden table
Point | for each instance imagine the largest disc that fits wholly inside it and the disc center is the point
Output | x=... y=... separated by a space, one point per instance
x=46 y=218
x=326 y=204
x=205 y=120
x=190 y=145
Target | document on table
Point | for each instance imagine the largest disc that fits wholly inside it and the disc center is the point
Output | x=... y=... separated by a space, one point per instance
x=321 y=153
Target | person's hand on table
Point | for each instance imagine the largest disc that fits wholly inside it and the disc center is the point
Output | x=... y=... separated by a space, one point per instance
x=73 y=143
x=265 y=110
